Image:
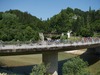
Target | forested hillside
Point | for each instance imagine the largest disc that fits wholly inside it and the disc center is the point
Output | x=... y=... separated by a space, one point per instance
x=80 y=22
x=18 y=25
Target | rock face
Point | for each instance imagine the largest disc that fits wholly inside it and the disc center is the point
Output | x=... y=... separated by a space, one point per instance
x=68 y=34
x=41 y=36
x=42 y=42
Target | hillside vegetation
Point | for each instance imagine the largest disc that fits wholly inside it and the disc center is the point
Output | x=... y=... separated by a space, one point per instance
x=18 y=25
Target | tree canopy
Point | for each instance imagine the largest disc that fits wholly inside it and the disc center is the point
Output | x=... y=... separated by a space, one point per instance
x=75 y=66
x=18 y=25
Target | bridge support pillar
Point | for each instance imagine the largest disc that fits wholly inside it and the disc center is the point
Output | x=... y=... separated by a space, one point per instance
x=52 y=59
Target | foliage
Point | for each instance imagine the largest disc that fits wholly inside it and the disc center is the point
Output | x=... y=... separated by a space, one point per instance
x=55 y=37
x=64 y=37
x=75 y=66
x=96 y=34
x=85 y=32
x=17 y=25
x=40 y=69
x=98 y=73
x=96 y=26
x=12 y=29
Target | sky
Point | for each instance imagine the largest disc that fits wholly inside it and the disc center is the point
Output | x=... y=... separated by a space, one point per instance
x=47 y=8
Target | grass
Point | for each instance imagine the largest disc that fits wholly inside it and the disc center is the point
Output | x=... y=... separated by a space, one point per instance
x=21 y=60
x=63 y=56
x=95 y=68
x=24 y=60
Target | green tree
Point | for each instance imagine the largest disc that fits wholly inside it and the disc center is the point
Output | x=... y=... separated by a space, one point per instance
x=18 y=25
x=30 y=34
x=96 y=26
x=8 y=26
x=75 y=66
x=86 y=32
x=40 y=69
x=63 y=38
x=9 y=19
x=1 y=15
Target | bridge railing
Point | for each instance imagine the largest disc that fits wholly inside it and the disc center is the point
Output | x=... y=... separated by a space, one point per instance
x=56 y=43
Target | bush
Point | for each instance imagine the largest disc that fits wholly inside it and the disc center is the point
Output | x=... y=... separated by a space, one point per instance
x=40 y=69
x=85 y=32
x=64 y=37
x=75 y=66
x=98 y=73
x=55 y=37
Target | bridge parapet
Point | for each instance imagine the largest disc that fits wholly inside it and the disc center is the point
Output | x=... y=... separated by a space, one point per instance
x=54 y=44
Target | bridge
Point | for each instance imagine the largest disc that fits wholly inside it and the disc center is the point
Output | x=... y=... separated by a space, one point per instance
x=49 y=50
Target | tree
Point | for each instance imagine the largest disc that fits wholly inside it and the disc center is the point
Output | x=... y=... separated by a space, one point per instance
x=40 y=69
x=8 y=26
x=30 y=34
x=86 y=32
x=1 y=15
x=75 y=66
x=18 y=25
x=96 y=26
x=9 y=19
x=63 y=37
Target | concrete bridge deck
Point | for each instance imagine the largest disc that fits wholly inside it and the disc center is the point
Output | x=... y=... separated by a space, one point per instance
x=36 y=48
x=49 y=51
